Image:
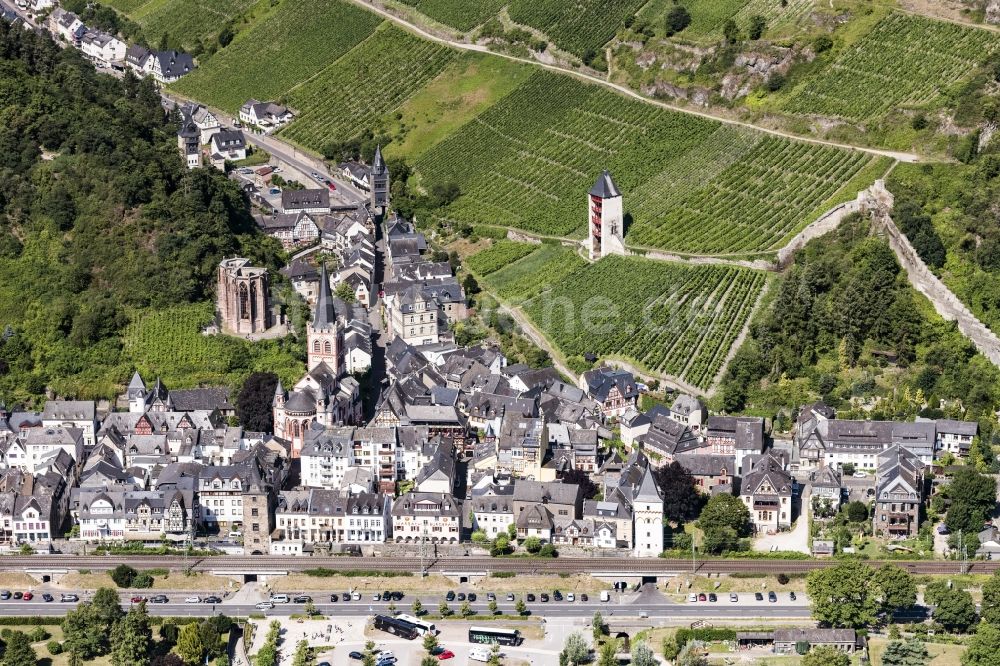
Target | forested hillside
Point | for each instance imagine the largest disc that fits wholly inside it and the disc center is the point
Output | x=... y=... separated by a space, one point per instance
x=846 y=326
x=100 y=223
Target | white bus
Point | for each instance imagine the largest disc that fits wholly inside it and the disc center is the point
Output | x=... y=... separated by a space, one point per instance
x=422 y=626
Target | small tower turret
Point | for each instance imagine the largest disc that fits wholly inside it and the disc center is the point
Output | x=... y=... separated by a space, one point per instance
x=606 y=220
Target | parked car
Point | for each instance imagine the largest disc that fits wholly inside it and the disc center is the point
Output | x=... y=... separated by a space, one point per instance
x=193 y=600
x=859 y=475
x=302 y=599
x=758 y=596
x=733 y=597
x=347 y=596
x=397 y=596
x=334 y=598
x=356 y=655
x=584 y=598
x=47 y=597
x=460 y=596
x=264 y=605
x=712 y=597
x=702 y=597
x=331 y=185
x=544 y=596
x=447 y=654
x=160 y=599
x=530 y=597
x=772 y=597
x=356 y=596
x=438 y=649
x=490 y=596
x=137 y=599
x=66 y=598
x=557 y=595
x=943 y=530
x=570 y=597
x=28 y=596
x=376 y=597
x=450 y=596
x=5 y=595
x=791 y=595
x=510 y=596
x=472 y=597
x=18 y=595
x=692 y=598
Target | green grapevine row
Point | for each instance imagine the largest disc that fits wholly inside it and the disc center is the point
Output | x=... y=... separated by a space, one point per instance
x=461 y=14
x=904 y=61
x=578 y=26
x=295 y=42
x=528 y=277
x=352 y=94
x=498 y=255
x=673 y=319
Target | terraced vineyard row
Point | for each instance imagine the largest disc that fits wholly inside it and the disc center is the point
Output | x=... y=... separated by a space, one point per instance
x=578 y=26
x=498 y=255
x=374 y=78
x=691 y=185
x=673 y=319
x=708 y=16
x=530 y=276
x=904 y=61
x=186 y=21
x=753 y=203
x=461 y=14
x=295 y=42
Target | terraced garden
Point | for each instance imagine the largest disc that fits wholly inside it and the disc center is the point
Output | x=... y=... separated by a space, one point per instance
x=530 y=276
x=499 y=254
x=691 y=184
x=904 y=61
x=461 y=14
x=294 y=43
x=577 y=27
x=184 y=20
x=353 y=94
x=708 y=16
x=672 y=319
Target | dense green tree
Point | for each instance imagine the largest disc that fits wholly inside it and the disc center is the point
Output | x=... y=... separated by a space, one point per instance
x=731 y=32
x=123 y=575
x=430 y=642
x=190 y=647
x=576 y=649
x=520 y=606
x=843 y=595
x=983 y=647
x=689 y=655
x=532 y=544
x=973 y=497
x=758 y=24
x=724 y=520
x=131 y=638
x=677 y=19
x=642 y=655
x=990 y=606
x=905 y=653
x=18 y=651
x=608 y=653
x=303 y=655
x=82 y=635
x=896 y=587
x=255 y=400
x=597 y=626
x=955 y=610
x=825 y=656
x=681 y=501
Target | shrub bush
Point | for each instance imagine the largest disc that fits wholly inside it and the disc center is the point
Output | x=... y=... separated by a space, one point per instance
x=54 y=647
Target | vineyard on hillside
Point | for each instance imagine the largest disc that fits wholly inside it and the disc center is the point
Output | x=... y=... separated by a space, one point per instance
x=673 y=319
x=690 y=184
x=169 y=344
x=461 y=14
x=904 y=61
x=295 y=42
x=498 y=255
x=530 y=276
x=352 y=94
x=184 y=20
x=579 y=26
x=708 y=16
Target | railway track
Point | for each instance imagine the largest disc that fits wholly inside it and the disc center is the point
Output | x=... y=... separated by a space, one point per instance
x=593 y=565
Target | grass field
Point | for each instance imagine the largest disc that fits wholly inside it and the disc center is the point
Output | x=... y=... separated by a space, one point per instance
x=690 y=184
x=294 y=43
x=671 y=319
x=392 y=65
x=461 y=14
x=904 y=60
x=941 y=655
x=470 y=84
x=184 y=21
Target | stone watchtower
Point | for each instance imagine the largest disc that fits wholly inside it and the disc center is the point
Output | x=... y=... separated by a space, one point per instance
x=606 y=220
x=243 y=298
x=380 y=182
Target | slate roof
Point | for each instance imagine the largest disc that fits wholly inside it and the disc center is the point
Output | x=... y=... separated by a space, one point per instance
x=605 y=187
x=325 y=315
x=299 y=199
x=208 y=399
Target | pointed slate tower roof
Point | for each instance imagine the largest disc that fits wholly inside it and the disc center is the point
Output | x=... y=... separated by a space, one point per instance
x=136 y=387
x=325 y=315
x=647 y=491
x=378 y=164
x=605 y=187
x=279 y=392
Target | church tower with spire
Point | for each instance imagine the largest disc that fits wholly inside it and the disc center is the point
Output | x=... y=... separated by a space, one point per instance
x=323 y=334
x=380 y=182
x=606 y=219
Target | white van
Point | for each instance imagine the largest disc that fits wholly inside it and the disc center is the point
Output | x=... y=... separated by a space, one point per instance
x=605 y=595
x=279 y=599
x=479 y=654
